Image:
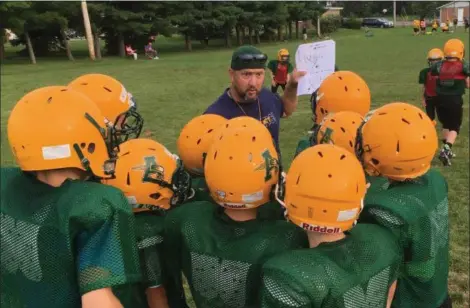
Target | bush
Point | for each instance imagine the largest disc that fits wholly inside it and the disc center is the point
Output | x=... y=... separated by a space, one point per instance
x=329 y=24
x=352 y=23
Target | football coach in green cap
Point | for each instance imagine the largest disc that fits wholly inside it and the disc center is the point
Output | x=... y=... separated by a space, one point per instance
x=247 y=97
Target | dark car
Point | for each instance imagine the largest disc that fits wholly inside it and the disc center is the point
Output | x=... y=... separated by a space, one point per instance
x=377 y=22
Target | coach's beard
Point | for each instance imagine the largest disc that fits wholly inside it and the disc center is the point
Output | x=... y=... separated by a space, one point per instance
x=245 y=99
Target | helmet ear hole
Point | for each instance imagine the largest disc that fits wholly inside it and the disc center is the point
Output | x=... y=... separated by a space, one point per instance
x=91 y=148
x=155 y=196
x=374 y=161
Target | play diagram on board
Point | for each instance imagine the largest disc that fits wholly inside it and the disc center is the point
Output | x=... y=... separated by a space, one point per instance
x=318 y=60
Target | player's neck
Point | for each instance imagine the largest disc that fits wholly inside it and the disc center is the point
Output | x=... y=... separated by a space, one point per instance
x=315 y=238
x=241 y=215
x=56 y=177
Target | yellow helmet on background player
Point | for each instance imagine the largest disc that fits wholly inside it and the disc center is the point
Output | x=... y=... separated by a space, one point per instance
x=57 y=127
x=397 y=141
x=283 y=55
x=454 y=48
x=338 y=128
x=195 y=139
x=116 y=104
x=150 y=176
x=342 y=91
x=435 y=54
x=240 y=122
x=325 y=189
x=242 y=167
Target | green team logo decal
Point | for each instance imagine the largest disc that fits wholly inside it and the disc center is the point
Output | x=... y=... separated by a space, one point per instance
x=375 y=294
x=270 y=164
x=152 y=170
x=20 y=250
x=326 y=138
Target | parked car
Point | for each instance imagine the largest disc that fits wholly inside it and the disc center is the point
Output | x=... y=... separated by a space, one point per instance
x=377 y=22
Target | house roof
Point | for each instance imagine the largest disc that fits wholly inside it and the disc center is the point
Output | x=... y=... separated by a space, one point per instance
x=457 y=4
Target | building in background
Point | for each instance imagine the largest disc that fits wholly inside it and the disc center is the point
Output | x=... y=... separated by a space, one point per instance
x=456 y=9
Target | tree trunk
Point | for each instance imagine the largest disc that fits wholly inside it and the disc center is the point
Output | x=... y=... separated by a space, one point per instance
x=290 y=30
x=239 y=39
x=32 y=57
x=297 y=29
x=122 y=51
x=88 y=34
x=258 y=39
x=66 y=43
x=250 y=36
x=187 y=41
x=279 y=33
x=228 y=36
x=97 y=43
x=318 y=28
x=2 y=44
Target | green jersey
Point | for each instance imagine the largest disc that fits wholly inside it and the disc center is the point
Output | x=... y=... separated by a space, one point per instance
x=304 y=143
x=451 y=77
x=201 y=191
x=222 y=258
x=58 y=243
x=355 y=272
x=417 y=213
x=149 y=235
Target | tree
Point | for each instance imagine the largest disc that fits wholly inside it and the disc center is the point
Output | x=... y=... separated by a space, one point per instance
x=14 y=15
x=228 y=14
x=295 y=10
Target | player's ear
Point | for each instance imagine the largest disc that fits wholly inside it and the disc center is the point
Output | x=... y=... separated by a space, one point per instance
x=231 y=73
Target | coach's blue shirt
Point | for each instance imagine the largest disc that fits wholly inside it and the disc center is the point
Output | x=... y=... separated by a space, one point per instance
x=271 y=110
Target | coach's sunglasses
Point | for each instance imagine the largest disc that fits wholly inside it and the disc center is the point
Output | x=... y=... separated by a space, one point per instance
x=247 y=58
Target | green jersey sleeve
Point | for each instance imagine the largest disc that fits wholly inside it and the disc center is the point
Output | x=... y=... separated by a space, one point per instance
x=276 y=294
x=422 y=75
x=272 y=65
x=290 y=68
x=105 y=245
x=303 y=144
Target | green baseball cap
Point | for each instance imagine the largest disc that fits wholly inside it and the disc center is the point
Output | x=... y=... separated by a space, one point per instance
x=246 y=57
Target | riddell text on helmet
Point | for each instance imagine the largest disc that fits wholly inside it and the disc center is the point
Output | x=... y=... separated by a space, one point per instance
x=320 y=229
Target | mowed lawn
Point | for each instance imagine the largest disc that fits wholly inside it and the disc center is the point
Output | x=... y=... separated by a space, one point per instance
x=171 y=91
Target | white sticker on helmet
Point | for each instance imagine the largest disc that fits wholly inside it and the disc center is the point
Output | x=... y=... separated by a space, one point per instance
x=123 y=95
x=249 y=198
x=56 y=152
x=347 y=215
x=132 y=200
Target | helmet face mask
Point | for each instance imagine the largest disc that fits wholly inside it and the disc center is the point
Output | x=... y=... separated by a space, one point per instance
x=128 y=125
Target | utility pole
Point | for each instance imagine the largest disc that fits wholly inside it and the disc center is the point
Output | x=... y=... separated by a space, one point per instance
x=394 y=13
x=89 y=35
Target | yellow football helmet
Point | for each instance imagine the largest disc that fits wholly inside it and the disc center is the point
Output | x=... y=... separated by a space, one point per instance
x=435 y=54
x=242 y=167
x=342 y=91
x=283 y=54
x=397 y=141
x=338 y=128
x=325 y=189
x=195 y=139
x=150 y=176
x=57 y=127
x=117 y=105
x=454 y=48
x=241 y=122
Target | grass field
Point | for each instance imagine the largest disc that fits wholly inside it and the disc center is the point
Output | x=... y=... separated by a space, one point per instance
x=181 y=85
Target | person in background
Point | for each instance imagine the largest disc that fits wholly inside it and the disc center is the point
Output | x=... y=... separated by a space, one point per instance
x=150 y=52
x=429 y=82
x=131 y=52
x=304 y=33
x=422 y=26
x=435 y=26
x=416 y=27
x=280 y=70
x=453 y=74
x=455 y=22
x=465 y=21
